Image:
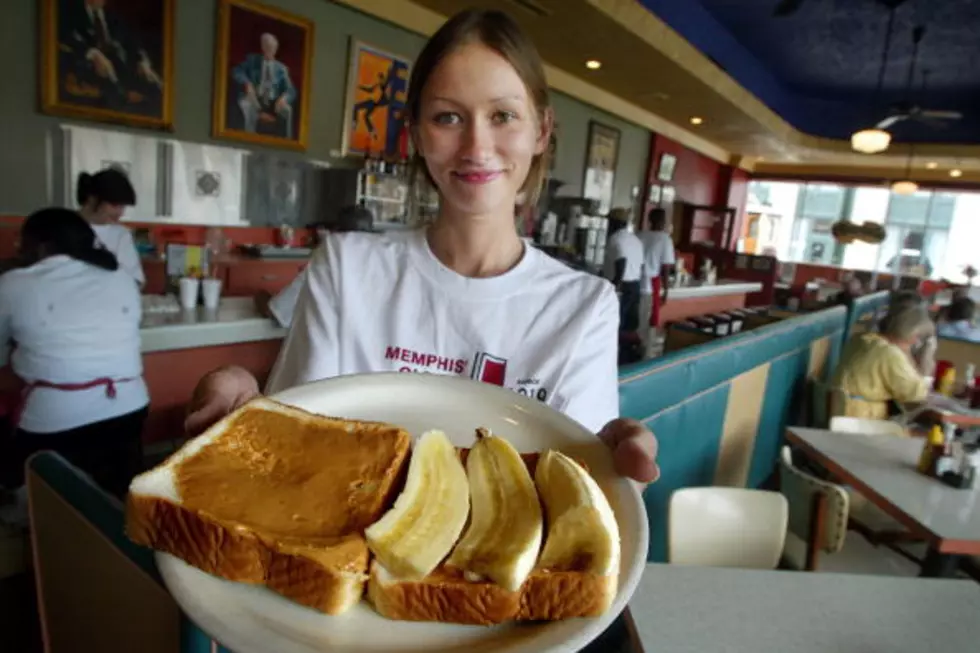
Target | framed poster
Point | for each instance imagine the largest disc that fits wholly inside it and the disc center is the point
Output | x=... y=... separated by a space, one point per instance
x=262 y=75
x=668 y=163
x=108 y=61
x=374 y=114
x=600 y=164
x=653 y=194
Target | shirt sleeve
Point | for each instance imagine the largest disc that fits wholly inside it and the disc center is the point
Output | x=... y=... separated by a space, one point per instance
x=900 y=378
x=668 y=257
x=310 y=351
x=283 y=305
x=129 y=258
x=589 y=391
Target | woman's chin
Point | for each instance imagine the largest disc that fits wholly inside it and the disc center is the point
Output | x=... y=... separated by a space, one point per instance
x=480 y=201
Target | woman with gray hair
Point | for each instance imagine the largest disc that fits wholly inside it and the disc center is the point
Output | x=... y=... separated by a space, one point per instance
x=878 y=368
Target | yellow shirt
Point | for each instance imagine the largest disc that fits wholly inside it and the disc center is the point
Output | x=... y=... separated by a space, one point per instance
x=871 y=372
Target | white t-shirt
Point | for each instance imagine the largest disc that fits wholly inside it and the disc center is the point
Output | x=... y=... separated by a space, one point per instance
x=119 y=241
x=624 y=244
x=383 y=302
x=658 y=251
x=72 y=323
x=283 y=304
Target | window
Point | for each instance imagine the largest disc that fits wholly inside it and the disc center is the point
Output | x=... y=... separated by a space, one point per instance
x=927 y=233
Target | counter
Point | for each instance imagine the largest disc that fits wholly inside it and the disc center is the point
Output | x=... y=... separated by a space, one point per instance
x=180 y=348
x=701 y=299
x=235 y=321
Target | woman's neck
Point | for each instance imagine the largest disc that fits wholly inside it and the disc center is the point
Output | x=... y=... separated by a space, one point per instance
x=89 y=215
x=476 y=247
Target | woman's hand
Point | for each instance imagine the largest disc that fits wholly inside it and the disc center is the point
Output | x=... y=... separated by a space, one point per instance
x=216 y=395
x=634 y=449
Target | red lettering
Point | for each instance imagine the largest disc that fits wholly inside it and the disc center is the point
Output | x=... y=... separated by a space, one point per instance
x=445 y=364
x=430 y=359
x=405 y=369
x=392 y=353
x=460 y=365
x=418 y=358
x=406 y=356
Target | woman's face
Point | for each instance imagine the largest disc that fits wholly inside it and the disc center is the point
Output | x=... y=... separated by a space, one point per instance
x=105 y=212
x=478 y=131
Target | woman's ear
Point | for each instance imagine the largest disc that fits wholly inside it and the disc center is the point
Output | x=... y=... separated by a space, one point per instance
x=413 y=134
x=545 y=128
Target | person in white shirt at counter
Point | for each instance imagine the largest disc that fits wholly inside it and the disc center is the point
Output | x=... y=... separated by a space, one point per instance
x=73 y=318
x=465 y=295
x=624 y=267
x=102 y=200
x=658 y=261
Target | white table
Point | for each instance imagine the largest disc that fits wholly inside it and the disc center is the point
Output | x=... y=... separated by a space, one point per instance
x=883 y=469
x=707 y=610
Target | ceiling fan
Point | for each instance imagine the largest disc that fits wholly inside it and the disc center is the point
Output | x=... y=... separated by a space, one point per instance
x=790 y=7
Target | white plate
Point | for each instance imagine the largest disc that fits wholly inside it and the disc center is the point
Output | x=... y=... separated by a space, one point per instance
x=249 y=619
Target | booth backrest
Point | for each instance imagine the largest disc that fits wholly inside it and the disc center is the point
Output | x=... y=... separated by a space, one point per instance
x=961 y=351
x=865 y=312
x=719 y=409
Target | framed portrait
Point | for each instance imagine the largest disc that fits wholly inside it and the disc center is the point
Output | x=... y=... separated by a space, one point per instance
x=108 y=61
x=601 y=155
x=374 y=114
x=262 y=75
x=668 y=163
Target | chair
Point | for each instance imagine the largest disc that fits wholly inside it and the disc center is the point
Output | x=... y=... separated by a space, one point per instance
x=97 y=591
x=726 y=527
x=818 y=512
x=863 y=426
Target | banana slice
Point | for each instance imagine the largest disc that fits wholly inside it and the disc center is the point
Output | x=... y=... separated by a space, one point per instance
x=582 y=530
x=504 y=536
x=419 y=531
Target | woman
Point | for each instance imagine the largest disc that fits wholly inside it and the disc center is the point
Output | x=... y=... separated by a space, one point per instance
x=74 y=316
x=102 y=199
x=879 y=368
x=465 y=295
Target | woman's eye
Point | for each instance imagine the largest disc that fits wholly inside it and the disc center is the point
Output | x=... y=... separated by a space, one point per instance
x=504 y=117
x=447 y=118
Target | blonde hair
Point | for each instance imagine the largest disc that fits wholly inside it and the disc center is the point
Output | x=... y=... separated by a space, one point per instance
x=497 y=31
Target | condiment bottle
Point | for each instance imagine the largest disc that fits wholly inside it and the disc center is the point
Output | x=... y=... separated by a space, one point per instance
x=932 y=450
x=947 y=381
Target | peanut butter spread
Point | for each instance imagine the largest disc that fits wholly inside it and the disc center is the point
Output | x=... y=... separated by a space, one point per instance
x=301 y=483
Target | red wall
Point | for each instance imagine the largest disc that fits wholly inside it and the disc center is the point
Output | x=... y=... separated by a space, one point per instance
x=699 y=180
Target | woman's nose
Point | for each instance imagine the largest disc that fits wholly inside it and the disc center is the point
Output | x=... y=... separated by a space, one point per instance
x=477 y=142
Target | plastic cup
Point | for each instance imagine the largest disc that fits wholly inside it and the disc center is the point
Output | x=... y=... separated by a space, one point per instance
x=211 y=289
x=190 y=288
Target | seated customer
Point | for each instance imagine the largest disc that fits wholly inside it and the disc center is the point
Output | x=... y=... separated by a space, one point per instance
x=878 y=368
x=959 y=320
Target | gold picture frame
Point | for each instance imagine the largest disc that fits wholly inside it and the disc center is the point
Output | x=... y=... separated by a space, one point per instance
x=256 y=101
x=374 y=68
x=114 y=66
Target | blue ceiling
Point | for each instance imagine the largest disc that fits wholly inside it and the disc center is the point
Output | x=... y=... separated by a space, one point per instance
x=818 y=68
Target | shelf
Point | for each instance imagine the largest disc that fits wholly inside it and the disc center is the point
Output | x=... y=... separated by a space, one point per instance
x=384 y=200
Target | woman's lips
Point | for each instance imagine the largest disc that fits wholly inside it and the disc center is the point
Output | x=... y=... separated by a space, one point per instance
x=478 y=176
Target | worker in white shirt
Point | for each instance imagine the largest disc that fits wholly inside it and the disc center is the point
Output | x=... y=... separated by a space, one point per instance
x=463 y=295
x=102 y=200
x=658 y=262
x=624 y=267
x=71 y=318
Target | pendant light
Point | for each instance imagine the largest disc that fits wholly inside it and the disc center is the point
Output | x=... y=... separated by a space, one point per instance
x=874 y=140
x=907 y=186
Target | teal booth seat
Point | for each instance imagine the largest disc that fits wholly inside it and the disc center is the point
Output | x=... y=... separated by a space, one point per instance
x=865 y=312
x=720 y=409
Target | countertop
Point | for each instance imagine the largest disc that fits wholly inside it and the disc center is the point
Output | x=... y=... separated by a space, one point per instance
x=235 y=321
x=697 y=289
x=680 y=609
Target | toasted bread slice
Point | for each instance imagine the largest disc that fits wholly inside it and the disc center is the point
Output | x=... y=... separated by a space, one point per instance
x=275 y=496
x=446 y=595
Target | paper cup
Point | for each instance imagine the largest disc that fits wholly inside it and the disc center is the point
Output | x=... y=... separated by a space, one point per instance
x=211 y=289
x=189 y=290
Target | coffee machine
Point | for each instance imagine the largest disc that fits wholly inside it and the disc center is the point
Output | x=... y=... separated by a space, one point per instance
x=579 y=230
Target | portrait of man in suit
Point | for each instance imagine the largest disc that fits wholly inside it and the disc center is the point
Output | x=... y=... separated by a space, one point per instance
x=267 y=93
x=110 y=56
x=263 y=72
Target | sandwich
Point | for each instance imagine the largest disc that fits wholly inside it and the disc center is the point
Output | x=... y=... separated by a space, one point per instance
x=321 y=509
x=276 y=496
